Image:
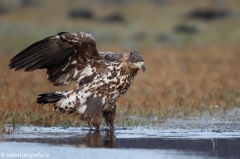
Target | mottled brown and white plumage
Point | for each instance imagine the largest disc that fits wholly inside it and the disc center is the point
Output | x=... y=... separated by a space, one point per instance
x=101 y=76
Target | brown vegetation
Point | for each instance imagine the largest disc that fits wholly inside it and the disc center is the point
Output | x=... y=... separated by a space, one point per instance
x=186 y=75
x=177 y=83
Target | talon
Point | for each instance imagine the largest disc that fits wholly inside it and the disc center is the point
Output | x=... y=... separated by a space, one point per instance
x=111 y=127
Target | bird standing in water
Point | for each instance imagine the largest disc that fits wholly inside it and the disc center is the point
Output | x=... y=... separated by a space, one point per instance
x=102 y=77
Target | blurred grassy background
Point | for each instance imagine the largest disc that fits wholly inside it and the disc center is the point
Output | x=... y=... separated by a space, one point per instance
x=191 y=49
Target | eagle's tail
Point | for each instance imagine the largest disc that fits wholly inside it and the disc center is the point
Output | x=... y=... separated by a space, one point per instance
x=52 y=97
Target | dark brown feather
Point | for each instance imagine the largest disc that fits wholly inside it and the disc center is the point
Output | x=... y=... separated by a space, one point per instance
x=56 y=54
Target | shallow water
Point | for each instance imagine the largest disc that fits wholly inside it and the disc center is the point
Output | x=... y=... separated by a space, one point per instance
x=137 y=142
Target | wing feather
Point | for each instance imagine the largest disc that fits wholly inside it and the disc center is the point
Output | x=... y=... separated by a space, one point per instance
x=64 y=56
x=24 y=62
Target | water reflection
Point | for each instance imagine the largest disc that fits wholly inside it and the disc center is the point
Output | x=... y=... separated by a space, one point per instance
x=91 y=139
x=215 y=147
x=96 y=139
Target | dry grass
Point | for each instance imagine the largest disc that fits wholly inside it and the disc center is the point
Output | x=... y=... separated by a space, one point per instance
x=186 y=82
x=181 y=80
x=177 y=83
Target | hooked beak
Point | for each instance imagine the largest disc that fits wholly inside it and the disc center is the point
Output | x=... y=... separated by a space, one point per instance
x=140 y=65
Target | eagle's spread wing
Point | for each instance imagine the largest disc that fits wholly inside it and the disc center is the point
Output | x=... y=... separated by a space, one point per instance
x=64 y=56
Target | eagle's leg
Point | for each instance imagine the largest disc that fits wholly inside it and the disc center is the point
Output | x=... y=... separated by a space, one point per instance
x=97 y=126
x=109 y=116
x=93 y=112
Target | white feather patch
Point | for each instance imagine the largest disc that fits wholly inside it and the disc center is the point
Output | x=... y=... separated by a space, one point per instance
x=86 y=95
x=69 y=102
x=82 y=109
x=87 y=71
x=74 y=62
x=75 y=73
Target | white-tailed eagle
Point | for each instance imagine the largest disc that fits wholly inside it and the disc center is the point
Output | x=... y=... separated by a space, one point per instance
x=101 y=76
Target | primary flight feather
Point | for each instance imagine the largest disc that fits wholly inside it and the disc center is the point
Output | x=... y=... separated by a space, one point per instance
x=101 y=76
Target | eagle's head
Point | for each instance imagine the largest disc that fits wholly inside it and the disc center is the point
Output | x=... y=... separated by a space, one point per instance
x=135 y=60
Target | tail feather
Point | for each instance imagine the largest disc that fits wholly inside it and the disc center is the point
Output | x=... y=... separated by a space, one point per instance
x=49 y=98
